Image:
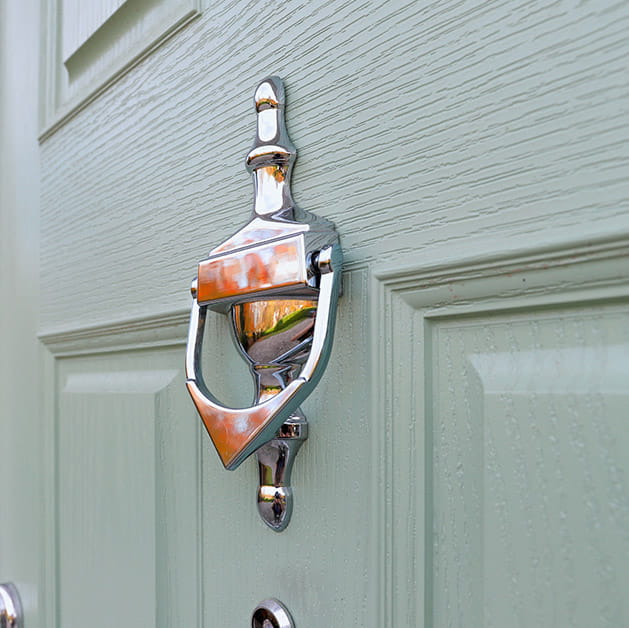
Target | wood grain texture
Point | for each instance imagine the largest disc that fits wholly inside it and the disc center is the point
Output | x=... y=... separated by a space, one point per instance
x=336 y=511
x=88 y=46
x=323 y=565
x=79 y=21
x=426 y=131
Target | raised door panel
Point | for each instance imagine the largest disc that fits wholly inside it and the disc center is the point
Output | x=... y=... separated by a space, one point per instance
x=81 y=20
x=125 y=480
x=529 y=436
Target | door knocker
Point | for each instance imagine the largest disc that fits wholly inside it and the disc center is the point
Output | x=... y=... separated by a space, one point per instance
x=278 y=279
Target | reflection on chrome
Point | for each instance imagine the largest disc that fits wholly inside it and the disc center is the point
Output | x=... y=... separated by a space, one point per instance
x=10 y=606
x=275 y=336
x=279 y=267
x=278 y=278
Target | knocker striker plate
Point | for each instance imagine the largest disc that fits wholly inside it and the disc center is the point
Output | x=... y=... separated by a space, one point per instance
x=278 y=279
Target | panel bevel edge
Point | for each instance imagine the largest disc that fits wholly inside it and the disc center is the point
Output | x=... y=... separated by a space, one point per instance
x=48 y=612
x=54 y=116
x=408 y=455
x=513 y=282
x=391 y=528
x=47 y=56
x=428 y=541
x=420 y=289
x=407 y=278
x=169 y=329
x=378 y=305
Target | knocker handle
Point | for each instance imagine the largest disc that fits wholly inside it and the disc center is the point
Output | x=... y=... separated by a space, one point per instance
x=238 y=432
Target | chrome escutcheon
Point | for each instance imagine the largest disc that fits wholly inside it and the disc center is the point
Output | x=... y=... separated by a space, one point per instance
x=271 y=613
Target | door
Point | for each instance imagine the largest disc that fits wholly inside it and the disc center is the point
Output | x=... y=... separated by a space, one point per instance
x=466 y=464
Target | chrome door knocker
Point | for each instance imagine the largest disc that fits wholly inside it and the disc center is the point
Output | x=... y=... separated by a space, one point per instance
x=278 y=278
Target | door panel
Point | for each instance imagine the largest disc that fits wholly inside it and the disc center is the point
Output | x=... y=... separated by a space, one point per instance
x=126 y=469
x=530 y=506
x=519 y=418
x=89 y=45
x=127 y=484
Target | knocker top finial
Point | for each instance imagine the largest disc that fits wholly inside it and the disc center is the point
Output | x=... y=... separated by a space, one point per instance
x=269 y=94
x=272 y=141
x=272 y=156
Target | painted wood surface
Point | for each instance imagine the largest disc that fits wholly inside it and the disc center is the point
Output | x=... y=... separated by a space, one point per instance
x=531 y=508
x=79 y=22
x=474 y=159
x=86 y=46
x=426 y=131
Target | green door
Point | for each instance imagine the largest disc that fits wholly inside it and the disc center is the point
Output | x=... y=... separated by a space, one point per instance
x=467 y=458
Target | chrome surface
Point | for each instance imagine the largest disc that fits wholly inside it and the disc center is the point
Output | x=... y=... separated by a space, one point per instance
x=238 y=432
x=10 y=607
x=271 y=613
x=278 y=278
x=275 y=337
x=275 y=464
x=276 y=267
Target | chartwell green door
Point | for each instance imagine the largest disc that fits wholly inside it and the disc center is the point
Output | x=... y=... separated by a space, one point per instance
x=467 y=459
